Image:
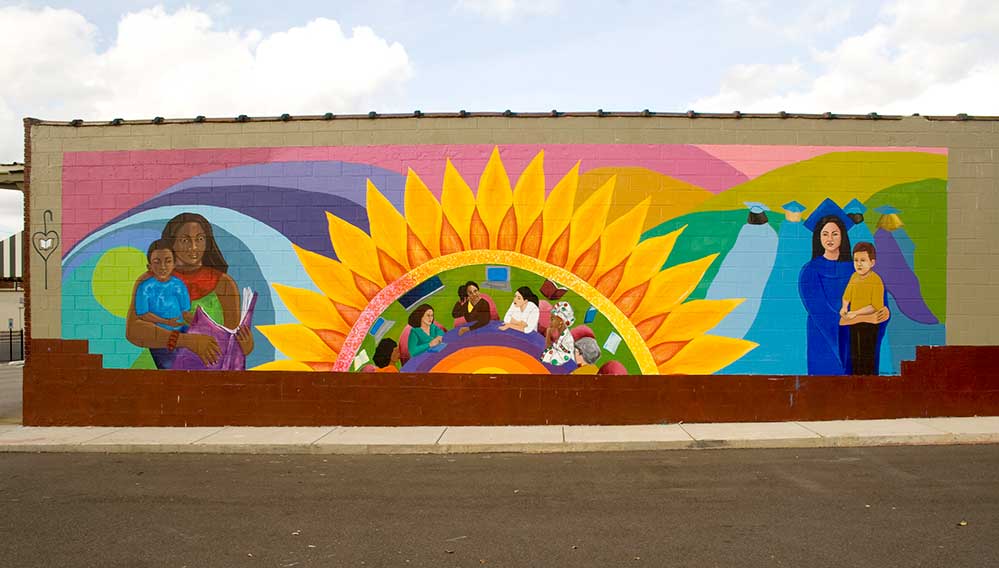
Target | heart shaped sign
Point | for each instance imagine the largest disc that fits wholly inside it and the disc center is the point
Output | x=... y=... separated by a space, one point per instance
x=45 y=243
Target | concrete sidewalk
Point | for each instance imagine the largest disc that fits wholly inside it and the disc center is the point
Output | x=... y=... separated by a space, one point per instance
x=523 y=439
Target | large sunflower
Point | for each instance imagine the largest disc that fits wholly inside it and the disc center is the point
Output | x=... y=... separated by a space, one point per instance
x=604 y=262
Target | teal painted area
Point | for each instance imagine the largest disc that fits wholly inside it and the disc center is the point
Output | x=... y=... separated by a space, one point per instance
x=904 y=335
x=443 y=300
x=84 y=318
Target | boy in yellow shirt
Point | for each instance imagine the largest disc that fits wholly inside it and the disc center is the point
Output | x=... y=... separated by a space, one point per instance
x=864 y=295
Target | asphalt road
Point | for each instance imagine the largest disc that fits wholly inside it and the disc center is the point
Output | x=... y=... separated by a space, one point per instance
x=821 y=507
x=10 y=394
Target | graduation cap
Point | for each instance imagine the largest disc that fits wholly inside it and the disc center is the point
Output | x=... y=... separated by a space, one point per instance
x=826 y=208
x=793 y=207
x=887 y=210
x=854 y=207
x=756 y=207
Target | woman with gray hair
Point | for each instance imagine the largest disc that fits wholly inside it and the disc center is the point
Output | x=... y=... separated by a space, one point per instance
x=587 y=353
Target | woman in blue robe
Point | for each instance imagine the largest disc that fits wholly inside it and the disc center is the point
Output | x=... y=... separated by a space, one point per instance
x=779 y=327
x=821 y=284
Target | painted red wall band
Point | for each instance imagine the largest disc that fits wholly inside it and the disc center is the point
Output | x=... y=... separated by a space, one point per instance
x=66 y=386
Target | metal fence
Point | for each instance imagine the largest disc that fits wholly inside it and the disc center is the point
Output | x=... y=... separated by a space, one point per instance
x=11 y=345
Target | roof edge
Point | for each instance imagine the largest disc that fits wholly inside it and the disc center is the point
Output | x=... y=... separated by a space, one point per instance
x=736 y=115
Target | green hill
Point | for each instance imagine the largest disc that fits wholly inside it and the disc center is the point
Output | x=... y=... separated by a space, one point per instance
x=924 y=212
x=840 y=175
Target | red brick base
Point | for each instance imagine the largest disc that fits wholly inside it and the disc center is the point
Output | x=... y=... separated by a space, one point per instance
x=64 y=385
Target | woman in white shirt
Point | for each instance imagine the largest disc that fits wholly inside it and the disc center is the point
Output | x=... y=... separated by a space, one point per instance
x=523 y=313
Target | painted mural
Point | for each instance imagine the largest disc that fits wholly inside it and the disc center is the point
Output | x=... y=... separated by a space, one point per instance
x=559 y=259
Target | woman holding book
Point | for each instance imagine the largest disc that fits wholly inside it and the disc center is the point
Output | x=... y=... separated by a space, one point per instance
x=199 y=264
x=425 y=334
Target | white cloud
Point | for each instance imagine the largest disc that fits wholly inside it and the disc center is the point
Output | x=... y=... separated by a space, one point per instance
x=507 y=10
x=177 y=64
x=220 y=9
x=921 y=56
x=800 y=23
x=757 y=80
x=11 y=212
x=11 y=134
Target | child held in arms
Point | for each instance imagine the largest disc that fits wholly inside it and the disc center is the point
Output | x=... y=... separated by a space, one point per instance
x=864 y=295
x=163 y=299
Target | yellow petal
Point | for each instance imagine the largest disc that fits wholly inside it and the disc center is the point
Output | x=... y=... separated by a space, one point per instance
x=311 y=308
x=283 y=365
x=457 y=202
x=646 y=261
x=671 y=287
x=494 y=196
x=298 y=342
x=558 y=210
x=529 y=195
x=620 y=238
x=692 y=319
x=387 y=226
x=706 y=354
x=423 y=212
x=332 y=277
x=589 y=220
x=355 y=249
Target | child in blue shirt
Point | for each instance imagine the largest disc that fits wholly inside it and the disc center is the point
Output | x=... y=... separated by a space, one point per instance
x=163 y=299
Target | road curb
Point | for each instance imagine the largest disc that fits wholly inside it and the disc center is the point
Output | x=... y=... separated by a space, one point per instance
x=526 y=448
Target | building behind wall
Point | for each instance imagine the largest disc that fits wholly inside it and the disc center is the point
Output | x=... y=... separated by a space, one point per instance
x=680 y=245
x=11 y=306
x=12 y=259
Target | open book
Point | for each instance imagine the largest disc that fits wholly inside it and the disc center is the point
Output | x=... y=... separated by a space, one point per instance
x=231 y=356
x=552 y=290
x=613 y=342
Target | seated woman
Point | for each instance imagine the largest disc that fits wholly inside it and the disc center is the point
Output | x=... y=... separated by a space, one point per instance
x=587 y=354
x=386 y=356
x=523 y=313
x=424 y=334
x=474 y=309
x=559 y=345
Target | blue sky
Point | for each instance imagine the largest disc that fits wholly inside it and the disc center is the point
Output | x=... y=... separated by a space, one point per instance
x=579 y=55
x=107 y=59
